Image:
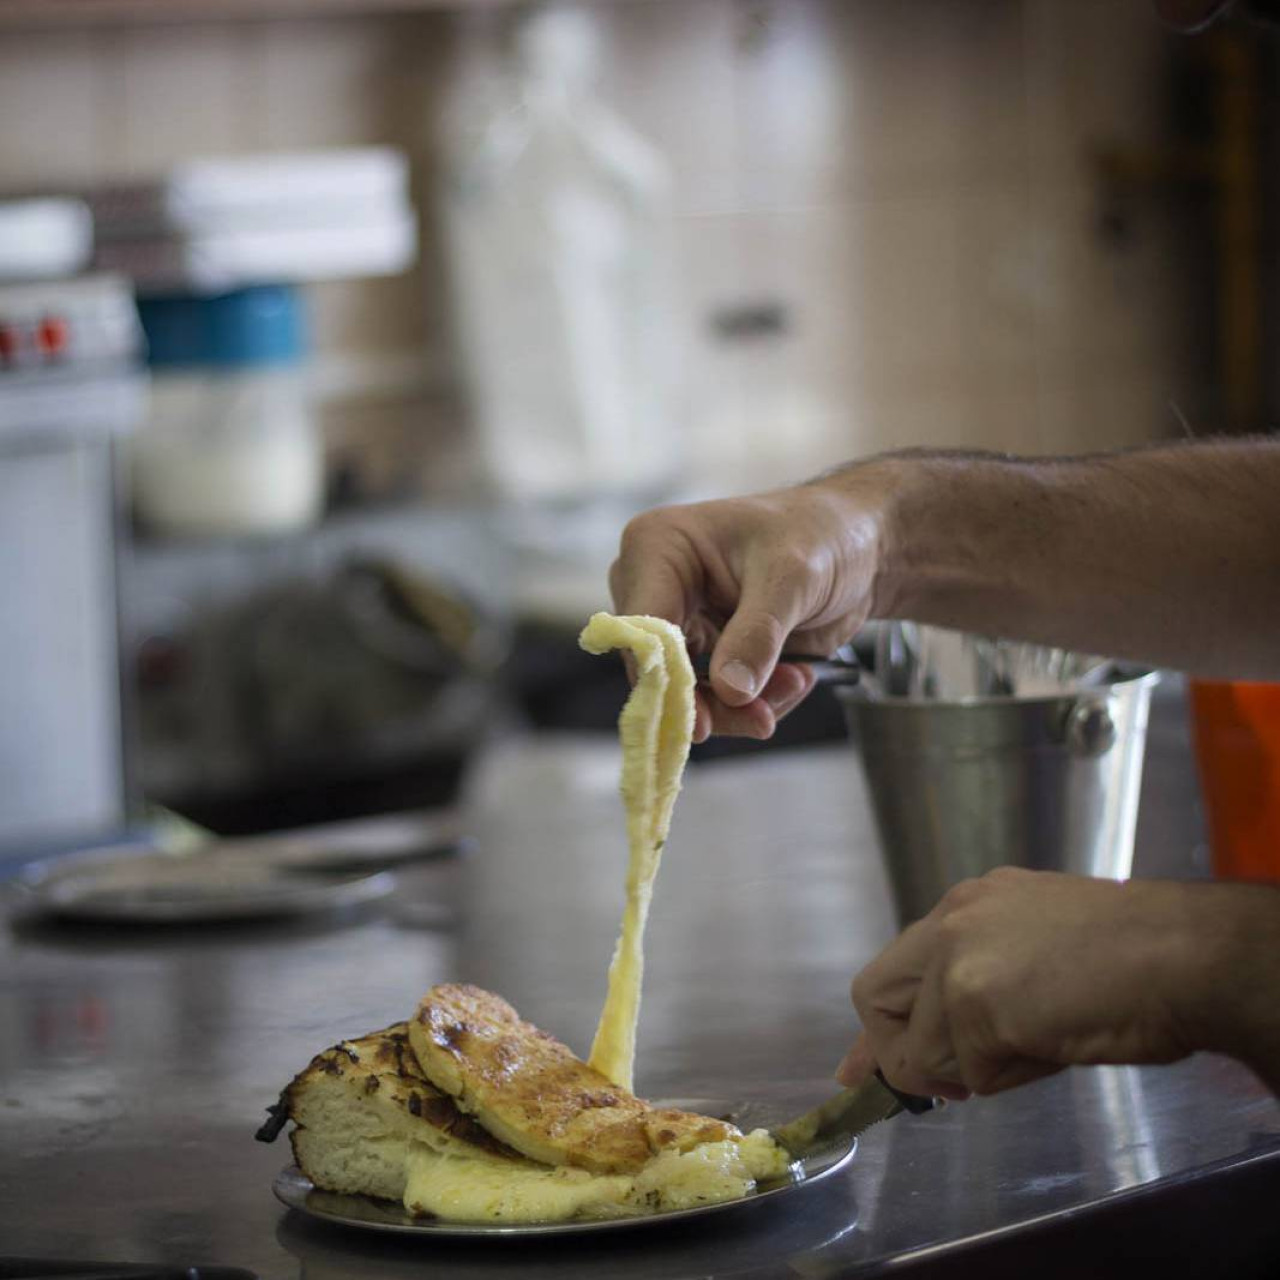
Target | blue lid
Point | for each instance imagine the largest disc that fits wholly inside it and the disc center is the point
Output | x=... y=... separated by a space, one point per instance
x=262 y=325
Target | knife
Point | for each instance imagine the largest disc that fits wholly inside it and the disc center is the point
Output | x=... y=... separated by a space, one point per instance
x=847 y=1115
x=842 y=668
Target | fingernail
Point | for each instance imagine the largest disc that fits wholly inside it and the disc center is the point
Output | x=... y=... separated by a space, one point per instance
x=846 y=1072
x=783 y=706
x=737 y=675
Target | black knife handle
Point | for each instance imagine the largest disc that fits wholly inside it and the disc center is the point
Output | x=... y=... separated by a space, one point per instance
x=844 y=668
x=908 y=1101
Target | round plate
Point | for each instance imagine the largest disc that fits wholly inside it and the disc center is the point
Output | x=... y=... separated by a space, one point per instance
x=297 y=1191
x=157 y=888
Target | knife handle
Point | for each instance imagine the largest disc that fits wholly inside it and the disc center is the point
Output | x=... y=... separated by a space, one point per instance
x=844 y=668
x=911 y=1102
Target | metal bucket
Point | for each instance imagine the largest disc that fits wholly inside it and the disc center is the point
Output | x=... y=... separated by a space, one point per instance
x=961 y=787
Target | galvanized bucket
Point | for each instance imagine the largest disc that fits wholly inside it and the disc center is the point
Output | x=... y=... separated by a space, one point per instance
x=961 y=787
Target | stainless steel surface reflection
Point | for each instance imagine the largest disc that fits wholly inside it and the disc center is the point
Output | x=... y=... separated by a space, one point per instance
x=134 y=1066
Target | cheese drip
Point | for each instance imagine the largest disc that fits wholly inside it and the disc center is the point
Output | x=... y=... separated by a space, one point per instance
x=655 y=729
x=485 y=1189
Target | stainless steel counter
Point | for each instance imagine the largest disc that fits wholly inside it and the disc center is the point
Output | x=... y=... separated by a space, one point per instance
x=134 y=1067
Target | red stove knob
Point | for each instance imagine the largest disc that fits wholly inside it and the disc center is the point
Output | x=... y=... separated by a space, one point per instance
x=9 y=344
x=52 y=336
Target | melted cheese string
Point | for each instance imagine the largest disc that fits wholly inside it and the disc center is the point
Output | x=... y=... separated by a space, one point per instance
x=655 y=729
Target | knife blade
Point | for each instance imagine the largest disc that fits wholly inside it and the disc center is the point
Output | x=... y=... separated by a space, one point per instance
x=847 y=1115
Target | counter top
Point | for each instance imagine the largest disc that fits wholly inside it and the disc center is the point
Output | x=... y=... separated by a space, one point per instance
x=135 y=1066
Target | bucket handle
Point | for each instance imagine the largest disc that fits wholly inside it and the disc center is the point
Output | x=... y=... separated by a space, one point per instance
x=1090 y=730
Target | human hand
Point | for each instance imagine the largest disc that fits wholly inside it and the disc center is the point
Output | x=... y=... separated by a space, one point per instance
x=1014 y=976
x=744 y=577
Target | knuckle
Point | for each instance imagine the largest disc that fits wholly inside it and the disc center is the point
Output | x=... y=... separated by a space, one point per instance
x=951 y=934
x=968 y=992
x=791 y=561
x=643 y=528
x=790 y=565
x=961 y=895
x=1006 y=875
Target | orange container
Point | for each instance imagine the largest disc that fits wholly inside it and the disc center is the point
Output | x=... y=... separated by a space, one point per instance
x=1236 y=730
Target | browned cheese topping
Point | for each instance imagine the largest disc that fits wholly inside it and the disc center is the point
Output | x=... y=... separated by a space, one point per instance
x=531 y=1092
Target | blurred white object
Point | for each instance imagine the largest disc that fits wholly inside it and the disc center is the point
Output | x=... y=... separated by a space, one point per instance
x=228 y=260
x=40 y=239
x=219 y=224
x=229 y=454
x=558 y=220
x=328 y=187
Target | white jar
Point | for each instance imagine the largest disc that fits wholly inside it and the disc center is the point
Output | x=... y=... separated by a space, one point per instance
x=230 y=446
x=228 y=453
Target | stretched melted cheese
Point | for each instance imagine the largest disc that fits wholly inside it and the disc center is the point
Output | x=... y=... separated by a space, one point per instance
x=482 y=1190
x=655 y=729
x=485 y=1189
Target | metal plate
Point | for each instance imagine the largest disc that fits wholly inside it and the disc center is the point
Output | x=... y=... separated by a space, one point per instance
x=297 y=1191
x=363 y=845
x=145 y=887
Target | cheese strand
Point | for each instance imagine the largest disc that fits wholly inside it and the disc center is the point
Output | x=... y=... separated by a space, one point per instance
x=655 y=729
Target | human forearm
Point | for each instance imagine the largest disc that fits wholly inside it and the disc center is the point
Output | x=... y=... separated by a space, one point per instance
x=1167 y=555
x=1019 y=974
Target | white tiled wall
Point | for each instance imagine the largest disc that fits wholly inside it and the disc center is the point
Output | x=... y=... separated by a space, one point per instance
x=911 y=181
x=915 y=183
x=53 y=101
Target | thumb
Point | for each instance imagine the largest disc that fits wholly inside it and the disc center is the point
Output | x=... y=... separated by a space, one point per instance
x=748 y=648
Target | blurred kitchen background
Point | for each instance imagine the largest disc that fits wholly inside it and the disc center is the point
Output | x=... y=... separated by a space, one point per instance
x=339 y=339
